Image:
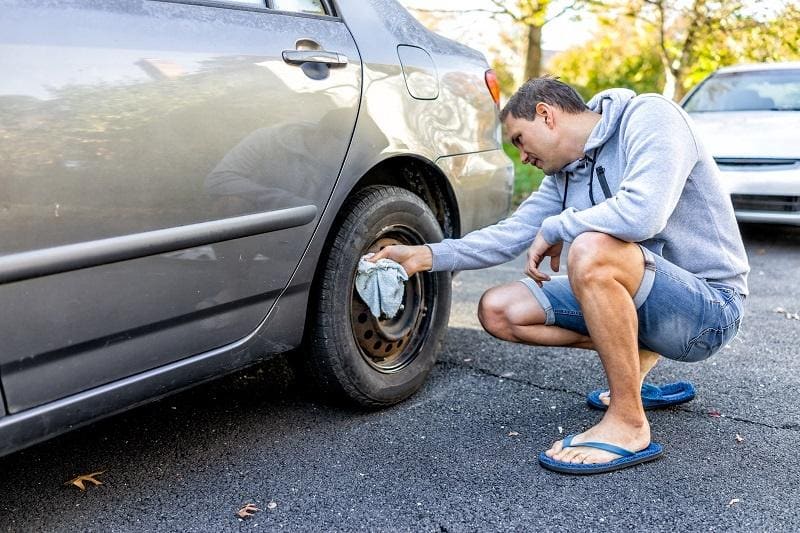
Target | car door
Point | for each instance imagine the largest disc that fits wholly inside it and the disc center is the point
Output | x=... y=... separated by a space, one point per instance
x=164 y=164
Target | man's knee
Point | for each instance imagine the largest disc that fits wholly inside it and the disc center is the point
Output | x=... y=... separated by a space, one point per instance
x=503 y=310
x=598 y=257
x=492 y=314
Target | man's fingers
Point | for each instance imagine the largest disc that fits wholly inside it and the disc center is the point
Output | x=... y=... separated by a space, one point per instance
x=536 y=274
x=383 y=253
x=555 y=262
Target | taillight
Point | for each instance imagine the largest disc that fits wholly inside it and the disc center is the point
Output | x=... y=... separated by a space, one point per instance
x=493 y=85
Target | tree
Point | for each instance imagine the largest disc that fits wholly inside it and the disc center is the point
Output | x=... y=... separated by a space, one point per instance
x=620 y=54
x=689 y=33
x=531 y=15
x=667 y=47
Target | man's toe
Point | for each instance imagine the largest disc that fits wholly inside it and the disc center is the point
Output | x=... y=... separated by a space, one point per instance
x=554 y=449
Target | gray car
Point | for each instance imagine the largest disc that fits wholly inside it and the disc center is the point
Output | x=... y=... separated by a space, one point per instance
x=186 y=188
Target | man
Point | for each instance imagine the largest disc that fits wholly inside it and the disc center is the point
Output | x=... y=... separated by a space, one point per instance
x=656 y=262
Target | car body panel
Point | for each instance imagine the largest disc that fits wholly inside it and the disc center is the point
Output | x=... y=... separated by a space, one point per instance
x=126 y=78
x=481 y=178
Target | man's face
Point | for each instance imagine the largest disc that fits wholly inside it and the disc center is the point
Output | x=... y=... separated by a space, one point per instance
x=537 y=140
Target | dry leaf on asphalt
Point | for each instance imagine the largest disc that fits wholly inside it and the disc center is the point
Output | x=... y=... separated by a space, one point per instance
x=733 y=501
x=715 y=414
x=513 y=434
x=739 y=438
x=78 y=481
x=247 y=511
x=271 y=505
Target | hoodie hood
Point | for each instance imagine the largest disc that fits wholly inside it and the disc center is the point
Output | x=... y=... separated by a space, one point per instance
x=611 y=105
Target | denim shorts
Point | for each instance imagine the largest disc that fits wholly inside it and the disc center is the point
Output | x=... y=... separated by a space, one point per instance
x=681 y=316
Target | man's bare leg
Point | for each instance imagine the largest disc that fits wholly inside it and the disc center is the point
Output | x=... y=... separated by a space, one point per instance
x=605 y=274
x=647 y=360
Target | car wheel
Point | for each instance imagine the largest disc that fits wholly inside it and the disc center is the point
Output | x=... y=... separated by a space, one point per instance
x=352 y=354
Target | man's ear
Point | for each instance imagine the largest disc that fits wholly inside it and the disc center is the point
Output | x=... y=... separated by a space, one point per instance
x=546 y=112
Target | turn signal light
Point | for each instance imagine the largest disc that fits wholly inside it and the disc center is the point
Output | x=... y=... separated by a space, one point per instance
x=493 y=85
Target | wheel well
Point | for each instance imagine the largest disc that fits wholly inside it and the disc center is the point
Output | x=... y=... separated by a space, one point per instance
x=423 y=179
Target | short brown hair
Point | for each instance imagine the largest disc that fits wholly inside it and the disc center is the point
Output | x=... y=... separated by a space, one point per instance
x=547 y=89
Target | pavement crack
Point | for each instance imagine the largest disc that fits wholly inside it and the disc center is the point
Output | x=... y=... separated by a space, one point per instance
x=789 y=427
x=510 y=378
x=485 y=372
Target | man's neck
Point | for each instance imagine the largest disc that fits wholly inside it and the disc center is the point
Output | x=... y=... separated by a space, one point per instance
x=582 y=126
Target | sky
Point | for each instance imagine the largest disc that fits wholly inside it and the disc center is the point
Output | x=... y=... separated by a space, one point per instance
x=559 y=34
x=480 y=31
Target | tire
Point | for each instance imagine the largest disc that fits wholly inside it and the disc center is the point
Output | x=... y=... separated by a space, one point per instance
x=350 y=354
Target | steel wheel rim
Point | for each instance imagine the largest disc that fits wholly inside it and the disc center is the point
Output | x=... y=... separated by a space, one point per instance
x=390 y=345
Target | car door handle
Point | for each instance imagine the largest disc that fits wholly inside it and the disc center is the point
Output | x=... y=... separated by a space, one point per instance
x=298 y=57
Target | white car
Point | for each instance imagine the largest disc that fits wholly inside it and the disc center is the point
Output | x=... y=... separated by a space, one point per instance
x=749 y=118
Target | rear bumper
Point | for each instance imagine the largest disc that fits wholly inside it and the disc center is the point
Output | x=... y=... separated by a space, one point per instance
x=483 y=183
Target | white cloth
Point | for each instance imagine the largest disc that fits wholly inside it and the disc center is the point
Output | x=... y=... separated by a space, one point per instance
x=381 y=285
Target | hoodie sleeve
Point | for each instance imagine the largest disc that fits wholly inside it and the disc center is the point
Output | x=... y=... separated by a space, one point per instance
x=661 y=152
x=503 y=241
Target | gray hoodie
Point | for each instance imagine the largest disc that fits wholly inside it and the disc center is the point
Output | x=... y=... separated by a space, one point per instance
x=665 y=193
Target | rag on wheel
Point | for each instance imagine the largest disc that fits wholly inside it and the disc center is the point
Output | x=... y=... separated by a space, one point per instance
x=381 y=285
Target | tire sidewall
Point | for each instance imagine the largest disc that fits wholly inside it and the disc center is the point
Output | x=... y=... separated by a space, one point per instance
x=399 y=207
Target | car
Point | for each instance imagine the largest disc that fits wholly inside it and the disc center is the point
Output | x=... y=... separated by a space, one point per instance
x=748 y=117
x=187 y=188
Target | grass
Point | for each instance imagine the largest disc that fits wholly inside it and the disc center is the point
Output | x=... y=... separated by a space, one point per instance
x=526 y=177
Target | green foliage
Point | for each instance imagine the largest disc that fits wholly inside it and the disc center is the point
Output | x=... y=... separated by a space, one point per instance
x=505 y=77
x=526 y=177
x=621 y=55
x=699 y=38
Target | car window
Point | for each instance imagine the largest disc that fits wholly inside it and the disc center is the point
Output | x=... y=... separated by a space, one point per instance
x=300 y=6
x=763 y=90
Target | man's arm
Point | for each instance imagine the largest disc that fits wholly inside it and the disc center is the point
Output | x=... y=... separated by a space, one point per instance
x=661 y=153
x=489 y=246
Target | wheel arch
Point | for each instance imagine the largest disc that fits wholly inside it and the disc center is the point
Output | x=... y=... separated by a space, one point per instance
x=423 y=178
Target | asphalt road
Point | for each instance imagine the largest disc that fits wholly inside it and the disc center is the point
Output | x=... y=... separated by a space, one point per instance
x=458 y=456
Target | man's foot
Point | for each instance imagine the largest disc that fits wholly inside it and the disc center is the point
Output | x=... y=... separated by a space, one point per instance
x=632 y=438
x=653 y=396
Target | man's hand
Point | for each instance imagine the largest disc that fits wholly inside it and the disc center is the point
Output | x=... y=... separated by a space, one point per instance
x=413 y=259
x=537 y=252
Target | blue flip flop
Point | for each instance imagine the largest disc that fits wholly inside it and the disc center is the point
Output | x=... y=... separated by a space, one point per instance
x=653 y=451
x=653 y=396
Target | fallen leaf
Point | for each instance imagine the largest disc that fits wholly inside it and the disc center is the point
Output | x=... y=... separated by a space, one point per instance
x=467 y=360
x=733 y=501
x=513 y=434
x=560 y=430
x=739 y=438
x=78 y=481
x=247 y=511
x=715 y=414
x=779 y=310
x=506 y=374
x=271 y=505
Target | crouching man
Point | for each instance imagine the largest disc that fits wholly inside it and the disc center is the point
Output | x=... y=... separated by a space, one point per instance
x=656 y=263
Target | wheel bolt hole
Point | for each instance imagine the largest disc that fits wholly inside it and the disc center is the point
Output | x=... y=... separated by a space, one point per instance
x=362 y=318
x=368 y=334
x=400 y=342
x=377 y=345
x=388 y=348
